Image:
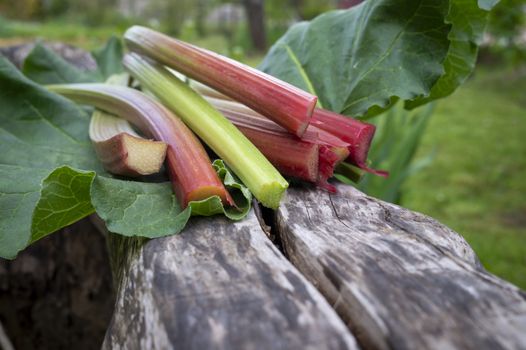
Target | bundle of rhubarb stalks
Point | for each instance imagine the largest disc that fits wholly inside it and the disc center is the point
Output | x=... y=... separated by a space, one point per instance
x=262 y=127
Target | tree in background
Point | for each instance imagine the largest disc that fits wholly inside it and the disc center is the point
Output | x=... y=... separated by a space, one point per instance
x=255 y=11
x=308 y=9
x=507 y=30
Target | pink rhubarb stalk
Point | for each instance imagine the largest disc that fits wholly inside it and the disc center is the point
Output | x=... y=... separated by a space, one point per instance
x=281 y=102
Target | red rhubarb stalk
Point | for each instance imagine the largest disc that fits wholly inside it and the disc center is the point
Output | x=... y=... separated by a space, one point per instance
x=190 y=169
x=291 y=156
x=356 y=133
x=311 y=158
x=281 y=102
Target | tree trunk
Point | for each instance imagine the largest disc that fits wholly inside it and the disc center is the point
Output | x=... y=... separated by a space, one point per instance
x=200 y=17
x=255 y=10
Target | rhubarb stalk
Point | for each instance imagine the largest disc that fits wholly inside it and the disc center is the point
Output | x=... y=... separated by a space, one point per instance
x=121 y=150
x=357 y=133
x=311 y=158
x=281 y=102
x=332 y=128
x=246 y=161
x=190 y=169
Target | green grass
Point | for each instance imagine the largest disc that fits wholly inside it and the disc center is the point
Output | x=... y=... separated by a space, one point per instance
x=477 y=182
x=89 y=38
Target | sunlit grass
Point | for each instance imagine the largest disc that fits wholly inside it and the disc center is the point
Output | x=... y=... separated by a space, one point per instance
x=477 y=183
x=15 y=32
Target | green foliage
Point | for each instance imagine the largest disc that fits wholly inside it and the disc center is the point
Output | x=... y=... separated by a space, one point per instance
x=467 y=27
x=361 y=60
x=506 y=24
x=37 y=132
x=398 y=136
x=138 y=208
x=64 y=199
x=44 y=66
x=378 y=44
x=507 y=20
x=308 y=9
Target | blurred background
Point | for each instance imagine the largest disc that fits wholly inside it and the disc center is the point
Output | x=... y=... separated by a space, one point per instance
x=461 y=160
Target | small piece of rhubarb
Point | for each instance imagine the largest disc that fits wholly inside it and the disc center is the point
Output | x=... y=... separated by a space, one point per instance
x=284 y=103
x=246 y=161
x=121 y=150
x=357 y=133
x=190 y=169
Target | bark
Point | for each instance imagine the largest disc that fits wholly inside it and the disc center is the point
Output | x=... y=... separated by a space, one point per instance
x=217 y=285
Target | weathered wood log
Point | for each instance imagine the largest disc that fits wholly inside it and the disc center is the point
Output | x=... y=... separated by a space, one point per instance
x=57 y=294
x=219 y=285
x=399 y=279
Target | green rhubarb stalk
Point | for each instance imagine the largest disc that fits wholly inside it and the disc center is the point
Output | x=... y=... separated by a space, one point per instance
x=282 y=102
x=246 y=161
x=190 y=169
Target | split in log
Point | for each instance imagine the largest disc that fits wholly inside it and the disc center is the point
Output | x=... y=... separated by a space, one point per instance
x=218 y=285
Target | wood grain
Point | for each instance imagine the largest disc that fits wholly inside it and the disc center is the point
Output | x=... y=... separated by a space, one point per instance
x=219 y=285
x=399 y=279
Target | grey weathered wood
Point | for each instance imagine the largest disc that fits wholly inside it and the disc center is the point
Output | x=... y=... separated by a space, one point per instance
x=400 y=279
x=5 y=342
x=219 y=285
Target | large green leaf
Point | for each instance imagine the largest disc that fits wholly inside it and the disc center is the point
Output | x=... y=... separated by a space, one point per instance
x=50 y=176
x=109 y=59
x=468 y=22
x=39 y=132
x=359 y=61
x=363 y=57
x=44 y=66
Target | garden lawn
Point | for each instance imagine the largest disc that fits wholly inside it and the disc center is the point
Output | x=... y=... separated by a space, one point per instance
x=477 y=182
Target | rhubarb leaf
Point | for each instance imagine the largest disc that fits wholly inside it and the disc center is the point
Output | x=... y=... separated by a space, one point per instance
x=19 y=193
x=361 y=60
x=362 y=57
x=64 y=199
x=45 y=66
x=109 y=59
x=468 y=22
x=137 y=208
x=39 y=132
x=152 y=210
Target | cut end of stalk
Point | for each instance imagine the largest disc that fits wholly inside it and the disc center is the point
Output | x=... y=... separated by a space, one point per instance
x=311 y=105
x=271 y=194
x=360 y=147
x=121 y=150
x=127 y=155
